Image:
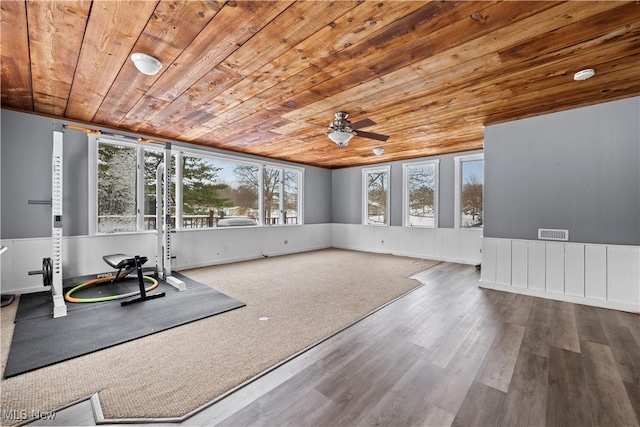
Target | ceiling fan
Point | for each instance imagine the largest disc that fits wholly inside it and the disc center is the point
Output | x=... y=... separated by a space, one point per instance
x=341 y=130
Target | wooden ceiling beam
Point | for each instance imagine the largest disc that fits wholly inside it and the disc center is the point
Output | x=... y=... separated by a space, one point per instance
x=171 y=29
x=55 y=38
x=266 y=78
x=16 y=87
x=112 y=30
x=226 y=32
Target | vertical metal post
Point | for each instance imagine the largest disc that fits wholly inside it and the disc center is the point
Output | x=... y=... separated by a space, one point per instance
x=166 y=202
x=163 y=223
x=159 y=222
x=140 y=185
x=59 y=307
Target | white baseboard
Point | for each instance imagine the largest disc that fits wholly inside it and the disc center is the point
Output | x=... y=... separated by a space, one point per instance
x=412 y=255
x=631 y=308
x=441 y=244
x=251 y=257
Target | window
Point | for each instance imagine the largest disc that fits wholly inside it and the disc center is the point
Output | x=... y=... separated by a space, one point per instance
x=281 y=196
x=206 y=191
x=152 y=159
x=291 y=187
x=469 y=182
x=376 y=196
x=117 y=188
x=203 y=201
x=421 y=194
x=272 y=180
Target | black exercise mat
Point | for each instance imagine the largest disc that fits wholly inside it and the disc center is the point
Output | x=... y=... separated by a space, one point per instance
x=39 y=304
x=40 y=340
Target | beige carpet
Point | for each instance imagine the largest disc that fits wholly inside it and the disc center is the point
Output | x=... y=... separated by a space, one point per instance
x=306 y=297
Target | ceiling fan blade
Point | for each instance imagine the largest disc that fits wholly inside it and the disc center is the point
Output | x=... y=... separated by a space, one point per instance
x=371 y=135
x=362 y=123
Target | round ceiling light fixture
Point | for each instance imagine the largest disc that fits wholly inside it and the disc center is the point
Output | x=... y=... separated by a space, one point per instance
x=146 y=64
x=584 y=74
x=378 y=151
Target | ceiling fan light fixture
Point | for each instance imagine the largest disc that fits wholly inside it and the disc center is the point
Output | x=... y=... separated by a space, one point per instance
x=341 y=138
x=146 y=64
x=378 y=151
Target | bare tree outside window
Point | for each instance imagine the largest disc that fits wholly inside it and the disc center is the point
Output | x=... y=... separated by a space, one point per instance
x=291 y=183
x=421 y=182
x=245 y=189
x=472 y=194
x=216 y=192
x=271 y=187
x=377 y=192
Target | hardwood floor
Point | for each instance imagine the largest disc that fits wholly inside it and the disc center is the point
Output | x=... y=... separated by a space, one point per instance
x=450 y=353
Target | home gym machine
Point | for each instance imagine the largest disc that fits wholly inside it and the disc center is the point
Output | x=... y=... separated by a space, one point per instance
x=52 y=267
x=128 y=264
x=163 y=222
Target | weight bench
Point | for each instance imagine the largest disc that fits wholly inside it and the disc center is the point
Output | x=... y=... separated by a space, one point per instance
x=128 y=264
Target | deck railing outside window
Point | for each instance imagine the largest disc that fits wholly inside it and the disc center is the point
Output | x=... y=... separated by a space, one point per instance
x=112 y=223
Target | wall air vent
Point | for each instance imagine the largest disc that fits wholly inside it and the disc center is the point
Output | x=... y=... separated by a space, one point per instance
x=551 y=234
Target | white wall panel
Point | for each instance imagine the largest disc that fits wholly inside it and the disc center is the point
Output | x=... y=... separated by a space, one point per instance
x=622 y=267
x=503 y=262
x=536 y=265
x=574 y=269
x=195 y=248
x=489 y=259
x=444 y=244
x=599 y=275
x=470 y=245
x=595 y=272
x=554 y=267
x=519 y=263
x=82 y=255
x=448 y=242
x=22 y=256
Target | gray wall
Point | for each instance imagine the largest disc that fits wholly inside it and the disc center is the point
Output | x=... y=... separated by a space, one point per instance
x=577 y=170
x=25 y=174
x=346 y=192
x=26 y=145
x=317 y=195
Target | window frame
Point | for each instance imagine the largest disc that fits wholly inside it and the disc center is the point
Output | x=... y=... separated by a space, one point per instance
x=365 y=196
x=405 y=192
x=93 y=181
x=458 y=161
x=179 y=152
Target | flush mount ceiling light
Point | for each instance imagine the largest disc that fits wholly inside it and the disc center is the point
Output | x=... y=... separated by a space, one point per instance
x=146 y=64
x=378 y=151
x=584 y=74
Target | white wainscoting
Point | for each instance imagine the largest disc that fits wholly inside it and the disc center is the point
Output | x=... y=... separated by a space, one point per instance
x=599 y=275
x=82 y=255
x=444 y=244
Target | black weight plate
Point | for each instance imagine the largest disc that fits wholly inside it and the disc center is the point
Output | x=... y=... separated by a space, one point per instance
x=47 y=272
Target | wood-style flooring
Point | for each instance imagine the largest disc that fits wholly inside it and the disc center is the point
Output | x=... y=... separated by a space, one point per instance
x=450 y=353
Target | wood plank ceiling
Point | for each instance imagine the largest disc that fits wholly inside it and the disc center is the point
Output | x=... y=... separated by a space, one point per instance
x=266 y=77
